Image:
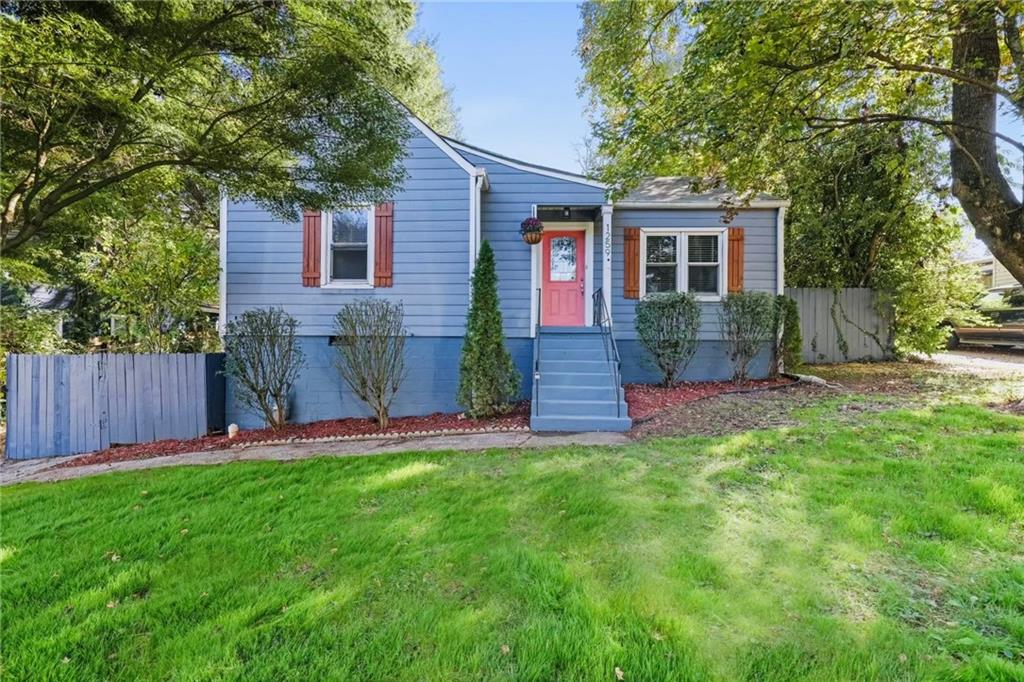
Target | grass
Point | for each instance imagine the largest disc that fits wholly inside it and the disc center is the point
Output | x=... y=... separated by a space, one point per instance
x=891 y=547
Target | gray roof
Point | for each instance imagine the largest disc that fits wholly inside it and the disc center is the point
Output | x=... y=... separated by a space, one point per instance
x=680 y=190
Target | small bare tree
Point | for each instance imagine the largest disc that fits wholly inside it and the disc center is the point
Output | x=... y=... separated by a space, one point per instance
x=370 y=338
x=264 y=359
x=748 y=326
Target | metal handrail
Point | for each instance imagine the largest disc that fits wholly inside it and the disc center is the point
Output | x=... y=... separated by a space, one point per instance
x=603 y=319
x=536 y=360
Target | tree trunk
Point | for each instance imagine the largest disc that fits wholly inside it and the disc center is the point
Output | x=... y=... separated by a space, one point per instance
x=985 y=195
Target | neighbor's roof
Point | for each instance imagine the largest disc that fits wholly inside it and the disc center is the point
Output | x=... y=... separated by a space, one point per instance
x=680 y=190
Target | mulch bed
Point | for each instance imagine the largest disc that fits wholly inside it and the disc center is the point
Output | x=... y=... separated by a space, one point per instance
x=645 y=400
x=518 y=418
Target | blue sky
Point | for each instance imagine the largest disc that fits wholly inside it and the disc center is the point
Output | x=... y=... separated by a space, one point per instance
x=515 y=75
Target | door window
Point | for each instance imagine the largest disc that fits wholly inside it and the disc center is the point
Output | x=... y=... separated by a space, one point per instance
x=563 y=259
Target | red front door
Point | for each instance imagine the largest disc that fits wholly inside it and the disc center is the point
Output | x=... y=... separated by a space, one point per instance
x=563 y=291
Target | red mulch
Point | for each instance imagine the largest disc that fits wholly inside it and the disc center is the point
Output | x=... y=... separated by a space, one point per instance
x=329 y=428
x=646 y=399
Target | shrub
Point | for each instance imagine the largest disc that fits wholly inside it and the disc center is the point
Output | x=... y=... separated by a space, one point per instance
x=264 y=359
x=748 y=324
x=23 y=330
x=790 y=348
x=666 y=326
x=488 y=380
x=370 y=339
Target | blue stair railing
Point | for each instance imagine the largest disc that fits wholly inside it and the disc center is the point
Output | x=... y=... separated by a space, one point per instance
x=603 y=319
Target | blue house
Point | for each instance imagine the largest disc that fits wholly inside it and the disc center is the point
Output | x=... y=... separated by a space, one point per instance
x=568 y=303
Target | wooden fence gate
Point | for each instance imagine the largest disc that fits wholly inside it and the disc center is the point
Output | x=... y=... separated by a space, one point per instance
x=70 y=404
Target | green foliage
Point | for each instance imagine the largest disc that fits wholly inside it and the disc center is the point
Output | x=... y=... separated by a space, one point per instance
x=488 y=379
x=264 y=358
x=370 y=340
x=791 y=343
x=740 y=93
x=748 y=323
x=23 y=330
x=1014 y=298
x=286 y=102
x=865 y=215
x=158 y=277
x=666 y=326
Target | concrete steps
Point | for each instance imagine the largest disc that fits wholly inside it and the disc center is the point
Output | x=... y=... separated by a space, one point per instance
x=576 y=389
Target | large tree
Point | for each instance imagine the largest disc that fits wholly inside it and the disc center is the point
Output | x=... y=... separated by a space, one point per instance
x=728 y=90
x=286 y=101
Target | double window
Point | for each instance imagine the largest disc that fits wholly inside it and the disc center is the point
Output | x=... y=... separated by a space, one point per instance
x=683 y=260
x=348 y=248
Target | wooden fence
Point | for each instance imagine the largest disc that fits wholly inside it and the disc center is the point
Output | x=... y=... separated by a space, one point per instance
x=70 y=404
x=842 y=325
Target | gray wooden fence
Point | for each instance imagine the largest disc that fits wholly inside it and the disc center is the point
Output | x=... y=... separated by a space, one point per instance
x=842 y=325
x=70 y=404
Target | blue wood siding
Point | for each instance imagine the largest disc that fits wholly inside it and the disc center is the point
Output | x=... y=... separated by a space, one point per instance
x=431 y=254
x=710 y=363
x=513 y=192
x=759 y=236
x=429 y=386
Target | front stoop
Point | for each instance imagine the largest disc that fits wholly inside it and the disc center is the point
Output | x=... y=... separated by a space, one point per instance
x=575 y=386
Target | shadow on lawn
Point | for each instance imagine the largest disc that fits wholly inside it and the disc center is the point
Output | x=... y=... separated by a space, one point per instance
x=826 y=551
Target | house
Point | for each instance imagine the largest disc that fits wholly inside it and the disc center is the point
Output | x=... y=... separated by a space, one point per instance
x=596 y=257
x=994 y=276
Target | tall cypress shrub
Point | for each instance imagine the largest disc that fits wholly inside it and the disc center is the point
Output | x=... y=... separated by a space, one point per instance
x=488 y=381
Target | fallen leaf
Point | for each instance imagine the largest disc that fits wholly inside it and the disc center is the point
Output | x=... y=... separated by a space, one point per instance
x=619 y=675
x=184 y=531
x=112 y=604
x=903 y=658
x=65 y=660
x=505 y=649
x=115 y=557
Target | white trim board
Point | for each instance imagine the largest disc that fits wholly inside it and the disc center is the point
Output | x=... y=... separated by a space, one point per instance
x=442 y=144
x=326 y=230
x=528 y=167
x=682 y=260
x=588 y=271
x=714 y=205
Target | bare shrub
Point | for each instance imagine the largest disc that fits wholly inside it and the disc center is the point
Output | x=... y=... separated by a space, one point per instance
x=264 y=359
x=370 y=340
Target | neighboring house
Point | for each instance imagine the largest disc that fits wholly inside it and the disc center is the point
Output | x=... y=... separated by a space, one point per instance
x=419 y=249
x=994 y=275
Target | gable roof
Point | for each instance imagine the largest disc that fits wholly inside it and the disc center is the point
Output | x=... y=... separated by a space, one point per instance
x=524 y=165
x=441 y=142
x=677 y=191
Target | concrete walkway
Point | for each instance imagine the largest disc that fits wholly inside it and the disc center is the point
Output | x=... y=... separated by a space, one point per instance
x=44 y=470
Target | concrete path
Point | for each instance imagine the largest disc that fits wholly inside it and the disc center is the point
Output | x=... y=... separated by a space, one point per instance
x=44 y=470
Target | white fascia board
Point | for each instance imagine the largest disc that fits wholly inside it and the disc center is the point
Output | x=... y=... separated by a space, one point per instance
x=549 y=172
x=780 y=251
x=763 y=203
x=441 y=144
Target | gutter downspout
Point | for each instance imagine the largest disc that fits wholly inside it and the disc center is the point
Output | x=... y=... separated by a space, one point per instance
x=222 y=282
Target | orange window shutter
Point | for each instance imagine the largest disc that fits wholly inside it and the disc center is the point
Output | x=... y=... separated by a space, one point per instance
x=631 y=254
x=311 y=240
x=384 y=244
x=735 y=264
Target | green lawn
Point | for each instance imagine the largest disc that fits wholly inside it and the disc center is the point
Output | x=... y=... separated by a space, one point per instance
x=882 y=545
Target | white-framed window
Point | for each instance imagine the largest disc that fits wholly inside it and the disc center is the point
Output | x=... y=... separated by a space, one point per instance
x=684 y=260
x=348 y=248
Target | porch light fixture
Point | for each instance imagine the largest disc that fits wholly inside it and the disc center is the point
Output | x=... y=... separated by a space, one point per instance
x=566 y=211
